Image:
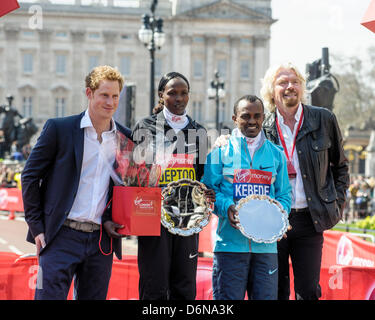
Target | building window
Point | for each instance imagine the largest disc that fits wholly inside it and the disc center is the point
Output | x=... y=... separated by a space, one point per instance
x=61 y=34
x=60 y=107
x=28 y=33
x=125 y=66
x=27 y=63
x=197 y=111
x=127 y=3
x=61 y=64
x=245 y=69
x=222 y=67
x=94 y=35
x=245 y=40
x=27 y=106
x=198 y=68
x=158 y=67
x=221 y=40
x=93 y=62
x=222 y=112
x=198 y=39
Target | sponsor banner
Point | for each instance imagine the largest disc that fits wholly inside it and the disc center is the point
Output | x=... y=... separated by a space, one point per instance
x=11 y=200
x=346 y=249
x=18 y=278
x=248 y=182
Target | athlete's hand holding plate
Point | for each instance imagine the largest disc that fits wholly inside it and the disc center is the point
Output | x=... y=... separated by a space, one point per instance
x=261 y=218
x=185 y=207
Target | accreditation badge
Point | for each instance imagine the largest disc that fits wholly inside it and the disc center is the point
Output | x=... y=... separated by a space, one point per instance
x=251 y=182
x=180 y=166
x=292 y=173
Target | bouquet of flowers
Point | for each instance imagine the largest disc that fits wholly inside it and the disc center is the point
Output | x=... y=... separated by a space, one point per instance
x=136 y=195
x=136 y=165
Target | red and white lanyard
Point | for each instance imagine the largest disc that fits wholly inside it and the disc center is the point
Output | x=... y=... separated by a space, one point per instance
x=295 y=137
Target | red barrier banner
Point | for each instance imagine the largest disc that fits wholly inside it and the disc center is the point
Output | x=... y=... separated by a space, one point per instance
x=207 y=235
x=11 y=200
x=347 y=272
x=344 y=248
x=348 y=268
x=344 y=283
x=18 y=278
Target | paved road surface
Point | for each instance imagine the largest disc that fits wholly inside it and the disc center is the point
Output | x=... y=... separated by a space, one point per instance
x=13 y=237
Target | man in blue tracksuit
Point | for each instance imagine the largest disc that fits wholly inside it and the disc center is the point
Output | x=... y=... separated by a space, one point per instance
x=240 y=264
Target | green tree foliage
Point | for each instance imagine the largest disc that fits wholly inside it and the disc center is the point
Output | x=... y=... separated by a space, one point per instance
x=354 y=104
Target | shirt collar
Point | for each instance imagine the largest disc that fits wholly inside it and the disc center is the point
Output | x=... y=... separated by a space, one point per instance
x=296 y=116
x=251 y=142
x=86 y=122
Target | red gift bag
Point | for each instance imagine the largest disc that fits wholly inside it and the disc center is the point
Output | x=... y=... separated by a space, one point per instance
x=137 y=209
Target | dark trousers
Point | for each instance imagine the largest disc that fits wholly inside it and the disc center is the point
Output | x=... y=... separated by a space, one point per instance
x=74 y=253
x=235 y=273
x=167 y=266
x=304 y=246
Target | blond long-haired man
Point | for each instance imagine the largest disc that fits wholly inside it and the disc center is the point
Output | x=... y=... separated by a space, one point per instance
x=318 y=173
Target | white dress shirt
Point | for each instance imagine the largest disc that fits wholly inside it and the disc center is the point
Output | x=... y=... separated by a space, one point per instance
x=298 y=192
x=98 y=158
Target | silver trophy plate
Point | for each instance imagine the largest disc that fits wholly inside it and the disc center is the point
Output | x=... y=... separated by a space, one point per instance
x=185 y=210
x=262 y=219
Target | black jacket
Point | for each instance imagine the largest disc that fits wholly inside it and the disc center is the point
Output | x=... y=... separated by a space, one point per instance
x=324 y=167
x=190 y=140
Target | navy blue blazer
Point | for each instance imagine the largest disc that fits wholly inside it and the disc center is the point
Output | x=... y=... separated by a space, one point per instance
x=51 y=176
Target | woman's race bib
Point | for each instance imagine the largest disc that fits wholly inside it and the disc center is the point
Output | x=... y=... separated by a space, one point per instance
x=180 y=166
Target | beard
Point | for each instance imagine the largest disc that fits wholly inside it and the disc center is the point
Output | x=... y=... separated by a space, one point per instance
x=291 y=101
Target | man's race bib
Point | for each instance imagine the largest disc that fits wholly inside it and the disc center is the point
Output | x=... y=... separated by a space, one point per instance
x=181 y=166
x=248 y=182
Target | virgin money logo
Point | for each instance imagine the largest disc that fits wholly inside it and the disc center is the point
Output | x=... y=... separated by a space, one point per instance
x=143 y=204
x=345 y=255
x=344 y=252
x=242 y=176
x=3 y=198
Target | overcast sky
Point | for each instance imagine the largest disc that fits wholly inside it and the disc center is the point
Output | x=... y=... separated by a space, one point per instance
x=304 y=27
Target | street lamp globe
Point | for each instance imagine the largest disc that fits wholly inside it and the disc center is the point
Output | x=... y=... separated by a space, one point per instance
x=211 y=92
x=221 y=93
x=145 y=35
x=159 y=38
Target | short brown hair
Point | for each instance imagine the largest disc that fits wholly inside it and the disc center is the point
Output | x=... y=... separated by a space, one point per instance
x=103 y=73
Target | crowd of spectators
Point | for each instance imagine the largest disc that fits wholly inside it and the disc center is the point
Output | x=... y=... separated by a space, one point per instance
x=11 y=164
x=10 y=175
x=360 y=198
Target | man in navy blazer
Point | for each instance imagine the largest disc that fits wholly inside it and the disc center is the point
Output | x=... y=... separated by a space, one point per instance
x=66 y=186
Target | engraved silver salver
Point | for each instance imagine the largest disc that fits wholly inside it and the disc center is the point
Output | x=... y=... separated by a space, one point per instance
x=185 y=209
x=262 y=219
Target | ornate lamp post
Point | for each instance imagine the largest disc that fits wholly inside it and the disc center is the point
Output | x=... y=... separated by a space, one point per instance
x=152 y=36
x=216 y=91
